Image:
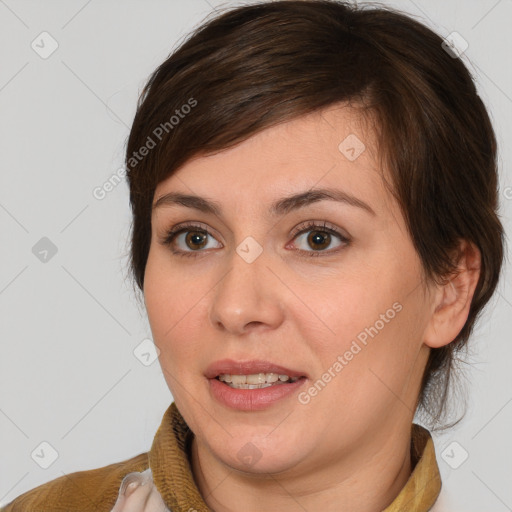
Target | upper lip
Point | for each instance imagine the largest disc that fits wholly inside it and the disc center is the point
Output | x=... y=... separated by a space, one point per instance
x=232 y=367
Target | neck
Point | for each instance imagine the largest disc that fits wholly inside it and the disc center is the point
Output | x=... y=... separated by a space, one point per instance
x=367 y=479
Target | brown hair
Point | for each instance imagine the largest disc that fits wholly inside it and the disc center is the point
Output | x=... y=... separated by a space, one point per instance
x=258 y=65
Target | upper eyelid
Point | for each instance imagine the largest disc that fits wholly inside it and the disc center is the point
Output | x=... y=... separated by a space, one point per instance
x=318 y=225
x=302 y=227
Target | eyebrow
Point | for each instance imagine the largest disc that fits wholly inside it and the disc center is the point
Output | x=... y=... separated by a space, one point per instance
x=282 y=206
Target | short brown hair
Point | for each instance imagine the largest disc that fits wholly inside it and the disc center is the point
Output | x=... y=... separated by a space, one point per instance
x=258 y=65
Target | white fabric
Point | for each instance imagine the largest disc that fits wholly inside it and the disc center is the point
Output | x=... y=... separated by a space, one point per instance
x=138 y=493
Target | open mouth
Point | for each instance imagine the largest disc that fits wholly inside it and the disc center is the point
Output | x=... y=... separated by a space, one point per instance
x=256 y=380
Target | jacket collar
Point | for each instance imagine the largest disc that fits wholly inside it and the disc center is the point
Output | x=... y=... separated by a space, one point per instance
x=172 y=474
x=424 y=484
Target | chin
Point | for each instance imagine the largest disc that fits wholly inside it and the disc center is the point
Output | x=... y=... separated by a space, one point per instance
x=261 y=452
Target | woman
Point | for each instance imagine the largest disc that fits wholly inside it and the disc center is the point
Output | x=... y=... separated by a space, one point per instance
x=314 y=194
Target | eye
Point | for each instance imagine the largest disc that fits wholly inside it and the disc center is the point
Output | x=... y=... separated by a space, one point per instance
x=320 y=237
x=192 y=235
x=195 y=237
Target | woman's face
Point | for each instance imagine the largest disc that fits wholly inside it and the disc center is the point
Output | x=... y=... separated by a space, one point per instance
x=345 y=312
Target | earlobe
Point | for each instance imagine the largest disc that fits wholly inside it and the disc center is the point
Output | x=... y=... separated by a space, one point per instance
x=452 y=300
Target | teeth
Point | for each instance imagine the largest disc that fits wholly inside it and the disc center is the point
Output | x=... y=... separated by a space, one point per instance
x=239 y=379
x=255 y=380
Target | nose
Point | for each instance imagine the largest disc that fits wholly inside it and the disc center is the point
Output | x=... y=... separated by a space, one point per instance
x=249 y=296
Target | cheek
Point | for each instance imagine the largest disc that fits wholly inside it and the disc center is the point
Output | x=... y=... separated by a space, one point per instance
x=378 y=368
x=370 y=323
x=167 y=296
x=354 y=303
x=175 y=308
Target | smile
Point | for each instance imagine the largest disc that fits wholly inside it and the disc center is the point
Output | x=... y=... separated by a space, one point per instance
x=255 y=380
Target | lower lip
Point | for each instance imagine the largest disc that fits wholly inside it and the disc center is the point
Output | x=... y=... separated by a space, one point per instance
x=252 y=399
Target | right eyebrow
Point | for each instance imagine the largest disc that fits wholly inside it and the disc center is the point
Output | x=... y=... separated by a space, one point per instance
x=282 y=206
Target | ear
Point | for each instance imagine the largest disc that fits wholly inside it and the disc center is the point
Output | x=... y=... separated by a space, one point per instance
x=452 y=300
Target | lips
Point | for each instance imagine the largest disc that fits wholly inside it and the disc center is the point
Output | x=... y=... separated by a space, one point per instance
x=237 y=396
x=232 y=367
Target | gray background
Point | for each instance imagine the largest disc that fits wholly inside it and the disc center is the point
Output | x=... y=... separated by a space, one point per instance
x=70 y=325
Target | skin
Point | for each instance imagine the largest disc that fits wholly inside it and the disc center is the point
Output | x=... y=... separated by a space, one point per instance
x=348 y=448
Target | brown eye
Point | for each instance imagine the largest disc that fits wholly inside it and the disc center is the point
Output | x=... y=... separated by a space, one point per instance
x=196 y=239
x=190 y=239
x=319 y=239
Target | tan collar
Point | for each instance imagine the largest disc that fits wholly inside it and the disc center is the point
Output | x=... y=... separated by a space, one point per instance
x=172 y=474
x=424 y=484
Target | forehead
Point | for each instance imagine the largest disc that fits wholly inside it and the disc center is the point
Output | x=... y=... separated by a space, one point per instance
x=332 y=148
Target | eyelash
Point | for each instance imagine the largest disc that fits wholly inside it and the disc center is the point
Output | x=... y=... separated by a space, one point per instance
x=303 y=228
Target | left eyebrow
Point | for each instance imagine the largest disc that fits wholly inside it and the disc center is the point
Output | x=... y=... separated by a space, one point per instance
x=282 y=206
